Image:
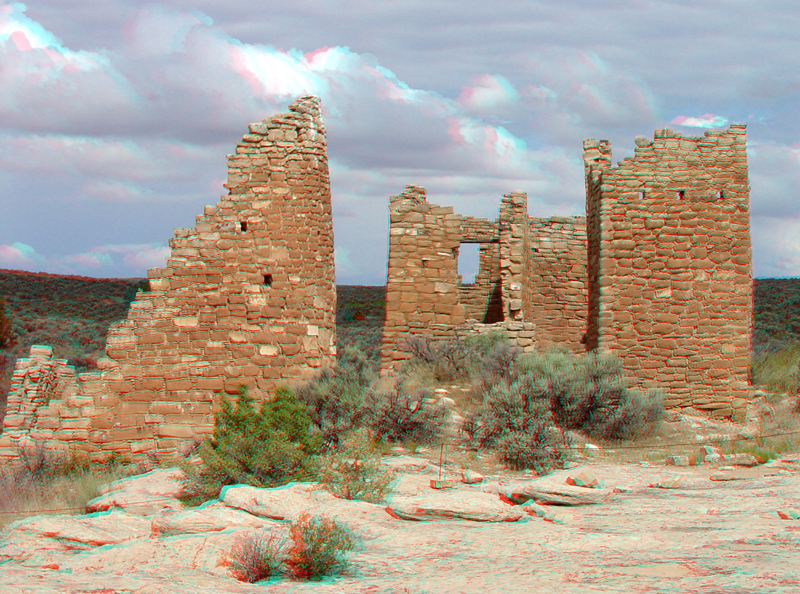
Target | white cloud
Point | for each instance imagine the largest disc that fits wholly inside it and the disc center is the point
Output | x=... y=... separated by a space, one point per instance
x=105 y=105
x=708 y=120
x=19 y=256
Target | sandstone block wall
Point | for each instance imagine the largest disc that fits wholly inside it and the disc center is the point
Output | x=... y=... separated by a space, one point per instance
x=557 y=296
x=670 y=279
x=247 y=297
x=530 y=282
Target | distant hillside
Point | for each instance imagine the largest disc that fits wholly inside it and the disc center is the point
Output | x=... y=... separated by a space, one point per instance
x=776 y=311
x=73 y=313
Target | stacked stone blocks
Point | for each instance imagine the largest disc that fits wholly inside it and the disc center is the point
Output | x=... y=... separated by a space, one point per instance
x=659 y=271
x=247 y=298
x=670 y=278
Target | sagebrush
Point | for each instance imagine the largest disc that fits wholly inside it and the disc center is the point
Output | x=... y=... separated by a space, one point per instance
x=344 y=399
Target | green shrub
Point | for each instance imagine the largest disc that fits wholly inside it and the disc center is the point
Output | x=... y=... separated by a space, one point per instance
x=268 y=447
x=256 y=556
x=357 y=472
x=515 y=419
x=590 y=394
x=335 y=398
x=318 y=547
x=6 y=329
x=400 y=415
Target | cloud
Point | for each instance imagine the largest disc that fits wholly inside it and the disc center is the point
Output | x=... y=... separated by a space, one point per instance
x=107 y=260
x=708 y=120
x=776 y=246
x=488 y=95
x=19 y=256
x=121 y=111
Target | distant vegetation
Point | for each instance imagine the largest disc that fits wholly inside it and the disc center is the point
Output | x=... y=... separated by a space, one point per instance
x=72 y=314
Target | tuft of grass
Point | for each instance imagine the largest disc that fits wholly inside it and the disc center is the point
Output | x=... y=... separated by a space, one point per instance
x=777 y=369
x=256 y=556
x=49 y=482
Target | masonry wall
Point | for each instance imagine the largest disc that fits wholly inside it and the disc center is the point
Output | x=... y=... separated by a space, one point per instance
x=531 y=282
x=556 y=302
x=247 y=297
x=670 y=283
x=422 y=277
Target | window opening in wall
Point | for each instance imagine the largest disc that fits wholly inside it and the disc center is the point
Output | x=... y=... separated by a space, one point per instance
x=721 y=195
x=681 y=194
x=468 y=258
x=267 y=280
x=244 y=225
x=641 y=195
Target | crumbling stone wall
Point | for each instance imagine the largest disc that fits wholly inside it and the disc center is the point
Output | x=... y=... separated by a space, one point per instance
x=557 y=294
x=530 y=283
x=658 y=272
x=247 y=297
x=670 y=280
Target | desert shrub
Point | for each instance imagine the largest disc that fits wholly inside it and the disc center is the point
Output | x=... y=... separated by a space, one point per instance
x=494 y=360
x=335 y=397
x=318 y=547
x=6 y=330
x=458 y=359
x=777 y=368
x=515 y=419
x=356 y=473
x=444 y=360
x=590 y=394
x=401 y=414
x=268 y=447
x=256 y=556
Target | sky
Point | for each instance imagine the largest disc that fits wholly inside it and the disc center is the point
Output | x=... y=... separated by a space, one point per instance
x=116 y=115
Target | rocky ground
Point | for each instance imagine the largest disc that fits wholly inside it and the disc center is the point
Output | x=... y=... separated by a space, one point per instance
x=601 y=526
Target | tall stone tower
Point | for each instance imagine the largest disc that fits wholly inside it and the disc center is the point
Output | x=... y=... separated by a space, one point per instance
x=669 y=264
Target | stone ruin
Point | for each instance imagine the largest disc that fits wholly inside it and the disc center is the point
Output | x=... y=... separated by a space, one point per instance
x=531 y=280
x=248 y=296
x=659 y=272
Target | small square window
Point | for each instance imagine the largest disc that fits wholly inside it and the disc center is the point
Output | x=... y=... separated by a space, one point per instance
x=243 y=225
x=267 y=280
